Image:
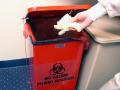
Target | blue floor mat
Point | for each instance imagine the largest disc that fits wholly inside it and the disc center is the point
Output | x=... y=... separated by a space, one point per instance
x=15 y=78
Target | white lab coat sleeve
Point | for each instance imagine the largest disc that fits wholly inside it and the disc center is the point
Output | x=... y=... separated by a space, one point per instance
x=113 y=84
x=96 y=11
x=111 y=7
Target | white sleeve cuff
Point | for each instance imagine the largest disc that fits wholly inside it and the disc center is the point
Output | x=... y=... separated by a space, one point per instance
x=117 y=79
x=96 y=11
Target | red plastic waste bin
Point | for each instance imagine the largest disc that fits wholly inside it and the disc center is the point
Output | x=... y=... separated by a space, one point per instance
x=56 y=59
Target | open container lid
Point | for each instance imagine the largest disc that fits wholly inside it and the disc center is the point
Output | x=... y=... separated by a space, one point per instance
x=105 y=30
x=42 y=19
x=45 y=11
x=58 y=8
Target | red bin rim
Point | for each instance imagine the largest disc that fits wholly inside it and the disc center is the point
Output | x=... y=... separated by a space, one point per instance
x=51 y=8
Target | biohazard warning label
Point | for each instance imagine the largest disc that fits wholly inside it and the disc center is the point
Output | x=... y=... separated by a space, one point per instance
x=57 y=69
x=55 y=73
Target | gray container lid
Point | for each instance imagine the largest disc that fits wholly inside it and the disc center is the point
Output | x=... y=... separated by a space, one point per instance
x=105 y=30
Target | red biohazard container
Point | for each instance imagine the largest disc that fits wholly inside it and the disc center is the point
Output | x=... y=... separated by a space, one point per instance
x=56 y=59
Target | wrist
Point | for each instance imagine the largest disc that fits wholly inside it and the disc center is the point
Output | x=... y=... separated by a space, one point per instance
x=96 y=11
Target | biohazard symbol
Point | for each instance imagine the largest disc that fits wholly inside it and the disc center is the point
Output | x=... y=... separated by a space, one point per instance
x=57 y=69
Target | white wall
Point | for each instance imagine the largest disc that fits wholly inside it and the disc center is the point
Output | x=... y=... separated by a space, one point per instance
x=12 y=43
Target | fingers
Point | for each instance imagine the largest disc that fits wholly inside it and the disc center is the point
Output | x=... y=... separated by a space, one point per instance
x=57 y=27
x=76 y=23
x=75 y=27
x=62 y=32
x=72 y=26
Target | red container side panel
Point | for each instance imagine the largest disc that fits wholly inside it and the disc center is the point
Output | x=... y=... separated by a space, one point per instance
x=56 y=68
x=55 y=64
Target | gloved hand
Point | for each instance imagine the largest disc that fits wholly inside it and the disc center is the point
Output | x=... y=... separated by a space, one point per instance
x=83 y=19
x=66 y=24
x=76 y=23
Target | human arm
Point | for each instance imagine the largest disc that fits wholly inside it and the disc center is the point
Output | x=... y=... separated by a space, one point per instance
x=86 y=18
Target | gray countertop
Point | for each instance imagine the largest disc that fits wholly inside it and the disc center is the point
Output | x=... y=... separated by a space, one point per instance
x=105 y=30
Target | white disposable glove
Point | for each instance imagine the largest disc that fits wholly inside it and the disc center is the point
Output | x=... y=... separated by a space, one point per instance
x=83 y=19
x=66 y=24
